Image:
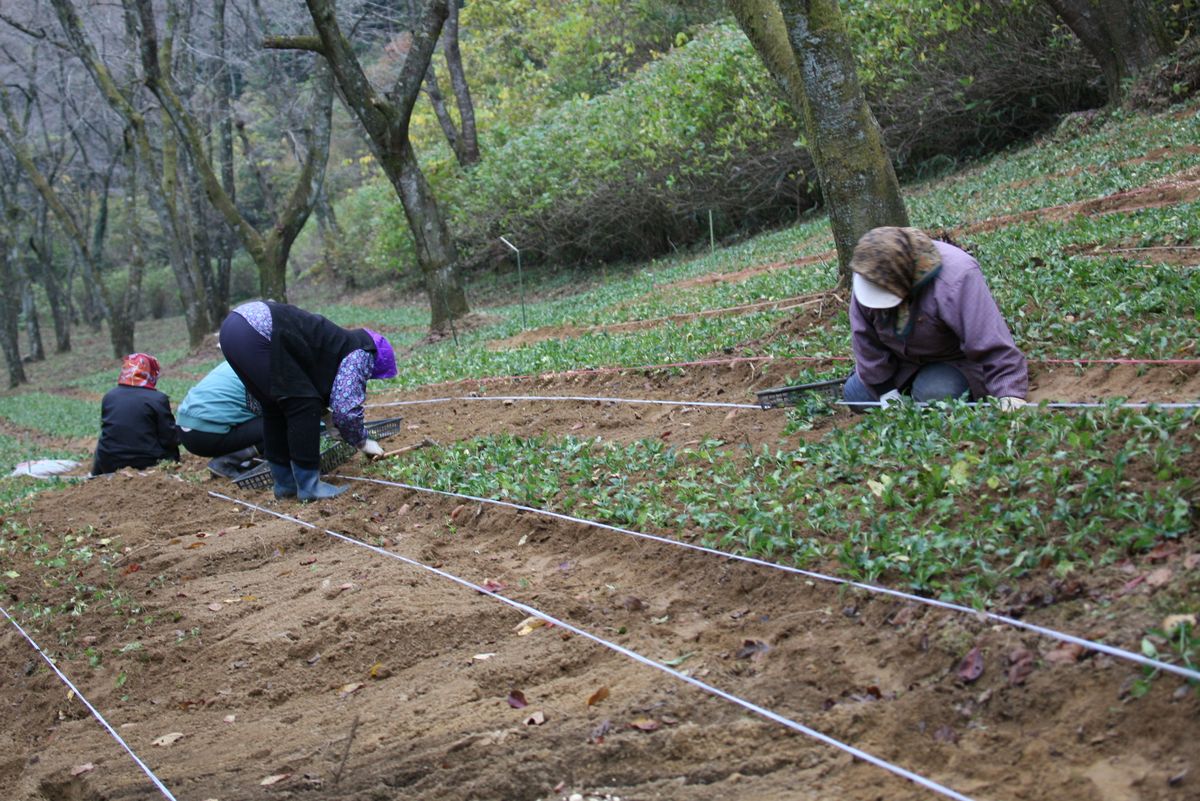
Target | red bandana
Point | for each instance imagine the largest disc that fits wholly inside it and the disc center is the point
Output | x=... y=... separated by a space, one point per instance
x=139 y=370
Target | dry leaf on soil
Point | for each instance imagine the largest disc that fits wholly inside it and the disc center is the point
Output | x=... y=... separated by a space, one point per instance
x=79 y=770
x=516 y=699
x=536 y=719
x=598 y=696
x=167 y=739
x=971 y=666
x=276 y=779
x=349 y=689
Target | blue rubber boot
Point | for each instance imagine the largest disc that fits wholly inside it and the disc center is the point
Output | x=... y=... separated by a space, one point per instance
x=309 y=485
x=285 y=482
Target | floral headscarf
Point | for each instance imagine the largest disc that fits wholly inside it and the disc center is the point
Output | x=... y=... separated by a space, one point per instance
x=139 y=370
x=901 y=260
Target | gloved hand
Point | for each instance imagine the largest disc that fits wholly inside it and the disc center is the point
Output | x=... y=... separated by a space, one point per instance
x=892 y=396
x=371 y=448
x=1010 y=403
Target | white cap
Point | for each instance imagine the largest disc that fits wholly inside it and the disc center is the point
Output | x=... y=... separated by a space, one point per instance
x=872 y=295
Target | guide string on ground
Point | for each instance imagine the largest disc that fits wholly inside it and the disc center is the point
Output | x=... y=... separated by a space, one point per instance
x=775 y=717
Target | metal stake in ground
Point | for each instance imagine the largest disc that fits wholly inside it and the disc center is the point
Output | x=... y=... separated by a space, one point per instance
x=520 y=281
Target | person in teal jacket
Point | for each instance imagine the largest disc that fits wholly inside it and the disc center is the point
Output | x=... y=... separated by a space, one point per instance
x=216 y=420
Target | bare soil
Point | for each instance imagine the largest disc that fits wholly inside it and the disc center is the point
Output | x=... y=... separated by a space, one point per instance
x=279 y=650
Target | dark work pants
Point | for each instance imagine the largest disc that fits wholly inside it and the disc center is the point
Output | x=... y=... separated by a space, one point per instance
x=205 y=443
x=291 y=426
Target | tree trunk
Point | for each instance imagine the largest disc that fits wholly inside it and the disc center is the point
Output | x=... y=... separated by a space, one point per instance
x=438 y=101
x=56 y=297
x=33 y=330
x=385 y=120
x=10 y=309
x=857 y=179
x=1124 y=36
x=226 y=238
x=435 y=247
x=468 y=137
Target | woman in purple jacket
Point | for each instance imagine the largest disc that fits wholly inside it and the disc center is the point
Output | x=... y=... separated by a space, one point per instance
x=925 y=324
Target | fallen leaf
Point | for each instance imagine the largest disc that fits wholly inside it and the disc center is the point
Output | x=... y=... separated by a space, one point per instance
x=1066 y=654
x=577 y=426
x=193 y=546
x=276 y=779
x=644 y=724
x=133 y=568
x=536 y=719
x=1131 y=585
x=1163 y=551
x=971 y=666
x=167 y=739
x=229 y=718
x=633 y=604
x=1191 y=561
x=528 y=625
x=679 y=660
x=482 y=657
x=1159 y=577
x=516 y=699
x=349 y=689
x=491 y=585
x=11 y=574
x=1021 y=663
x=458 y=510
x=598 y=696
x=379 y=671
x=79 y=770
x=215 y=607
x=308 y=561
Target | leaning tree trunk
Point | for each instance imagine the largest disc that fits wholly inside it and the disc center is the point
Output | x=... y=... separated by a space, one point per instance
x=805 y=47
x=386 y=121
x=1124 y=36
x=468 y=137
x=435 y=247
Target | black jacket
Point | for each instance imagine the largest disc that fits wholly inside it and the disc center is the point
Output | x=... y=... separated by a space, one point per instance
x=137 y=429
x=307 y=350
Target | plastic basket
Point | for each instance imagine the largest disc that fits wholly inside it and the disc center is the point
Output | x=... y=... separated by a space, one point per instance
x=334 y=454
x=790 y=396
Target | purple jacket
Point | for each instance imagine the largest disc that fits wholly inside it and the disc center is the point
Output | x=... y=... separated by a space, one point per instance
x=956 y=321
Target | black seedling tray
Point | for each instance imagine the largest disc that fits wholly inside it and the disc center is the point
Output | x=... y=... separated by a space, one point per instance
x=334 y=454
x=790 y=396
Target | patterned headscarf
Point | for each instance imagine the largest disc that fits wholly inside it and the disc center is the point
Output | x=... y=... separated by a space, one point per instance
x=901 y=260
x=139 y=370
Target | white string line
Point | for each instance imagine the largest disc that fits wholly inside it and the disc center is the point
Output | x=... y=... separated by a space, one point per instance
x=1111 y=650
x=561 y=398
x=1036 y=404
x=916 y=778
x=868 y=404
x=96 y=714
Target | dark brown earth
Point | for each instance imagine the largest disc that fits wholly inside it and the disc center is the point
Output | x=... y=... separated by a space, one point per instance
x=265 y=644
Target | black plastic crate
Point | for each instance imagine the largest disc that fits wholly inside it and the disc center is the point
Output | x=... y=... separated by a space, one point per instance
x=790 y=396
x=334 y=454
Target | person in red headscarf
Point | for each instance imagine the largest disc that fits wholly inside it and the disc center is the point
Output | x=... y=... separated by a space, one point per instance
x=137 y=428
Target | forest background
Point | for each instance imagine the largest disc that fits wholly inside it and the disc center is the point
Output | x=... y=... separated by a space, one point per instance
x=174 y=158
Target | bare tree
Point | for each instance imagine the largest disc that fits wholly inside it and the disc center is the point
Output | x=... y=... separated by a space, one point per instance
x=806 y=49
x=269 y=248
x=385 y=118
x=1124 y=36
x=160 y=171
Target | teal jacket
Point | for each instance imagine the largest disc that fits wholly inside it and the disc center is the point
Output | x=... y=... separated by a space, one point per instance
x=216 y=404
